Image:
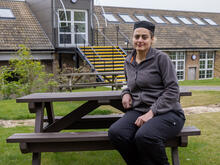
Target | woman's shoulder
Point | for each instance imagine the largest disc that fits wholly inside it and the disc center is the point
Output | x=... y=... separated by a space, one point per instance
x=160 y=54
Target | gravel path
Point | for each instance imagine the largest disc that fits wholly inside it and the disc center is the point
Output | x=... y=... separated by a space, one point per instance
x=188 y=111
x=201 y=88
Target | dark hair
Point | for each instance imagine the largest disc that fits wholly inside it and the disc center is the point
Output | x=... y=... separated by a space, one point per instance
x=145 y=24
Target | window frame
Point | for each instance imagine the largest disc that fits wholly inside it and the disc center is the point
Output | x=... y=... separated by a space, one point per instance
x=167 y=18
x=210 y=23
x=206 y=60
x=72 y=31
x=103 y=14
x=120 y=15
x=176 y=60
x=155 y=20
x=197 y=20
x=10 y=12
x=141 y=15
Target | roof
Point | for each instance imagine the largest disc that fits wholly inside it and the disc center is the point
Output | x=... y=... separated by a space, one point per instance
x=23 y=29
x=169 y=36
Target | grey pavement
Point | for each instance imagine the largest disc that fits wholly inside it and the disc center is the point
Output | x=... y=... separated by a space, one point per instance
x=200 y=88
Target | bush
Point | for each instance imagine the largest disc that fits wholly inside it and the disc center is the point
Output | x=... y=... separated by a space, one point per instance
x=24 y=76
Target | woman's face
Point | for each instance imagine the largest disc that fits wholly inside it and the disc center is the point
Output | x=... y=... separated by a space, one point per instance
x=142 y=39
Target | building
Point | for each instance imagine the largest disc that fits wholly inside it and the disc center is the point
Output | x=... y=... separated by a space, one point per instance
x=19 y=26
x=192 y=39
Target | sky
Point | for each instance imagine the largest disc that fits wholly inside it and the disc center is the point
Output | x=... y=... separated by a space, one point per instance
x=183 y=5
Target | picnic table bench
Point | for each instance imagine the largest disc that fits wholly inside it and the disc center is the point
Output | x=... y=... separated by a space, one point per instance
x=48 y=138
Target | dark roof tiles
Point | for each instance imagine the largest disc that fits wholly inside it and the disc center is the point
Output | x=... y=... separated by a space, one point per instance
x=169 y=35
x=24 y=29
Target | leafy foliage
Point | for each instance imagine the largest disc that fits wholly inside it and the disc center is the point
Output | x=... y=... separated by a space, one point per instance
x=24 y=76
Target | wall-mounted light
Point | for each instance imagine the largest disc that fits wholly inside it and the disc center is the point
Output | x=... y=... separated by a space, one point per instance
x=73 y=1
x=193 y=57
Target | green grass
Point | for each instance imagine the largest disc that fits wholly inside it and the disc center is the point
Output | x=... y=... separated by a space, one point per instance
x=208 y=82
x=203 y=149
x=201 y=98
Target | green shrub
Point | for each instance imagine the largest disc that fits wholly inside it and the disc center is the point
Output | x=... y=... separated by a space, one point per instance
x=24 y=76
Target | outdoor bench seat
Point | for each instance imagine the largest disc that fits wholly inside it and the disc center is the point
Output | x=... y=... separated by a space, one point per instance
x=88 y=141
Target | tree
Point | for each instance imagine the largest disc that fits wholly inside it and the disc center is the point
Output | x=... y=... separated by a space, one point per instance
x=24 y=75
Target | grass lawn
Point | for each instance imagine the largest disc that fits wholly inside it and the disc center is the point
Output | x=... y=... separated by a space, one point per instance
x=203 y=150
x=207 y=82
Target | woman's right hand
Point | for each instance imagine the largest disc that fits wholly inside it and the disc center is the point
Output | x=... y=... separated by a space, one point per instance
x=127 y=101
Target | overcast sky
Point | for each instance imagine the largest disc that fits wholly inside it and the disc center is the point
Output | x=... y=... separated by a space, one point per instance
x=183 y=5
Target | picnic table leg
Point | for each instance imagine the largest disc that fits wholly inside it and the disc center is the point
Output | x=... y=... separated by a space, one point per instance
x=37 y=108
x=36 y=158
x=175 y=156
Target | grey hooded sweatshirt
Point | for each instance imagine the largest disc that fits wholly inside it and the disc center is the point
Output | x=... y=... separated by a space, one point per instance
x=153 y=83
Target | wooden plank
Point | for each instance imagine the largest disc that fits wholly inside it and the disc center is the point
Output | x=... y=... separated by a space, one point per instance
x=50 y=112
x=92 y=121
x=175 y=156
x=72 y=117
x=67 y=137
x=77 y=96
x=189 y=131
x=93 y=73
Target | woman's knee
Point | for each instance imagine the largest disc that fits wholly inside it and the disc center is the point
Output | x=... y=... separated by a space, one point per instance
x=143 y=138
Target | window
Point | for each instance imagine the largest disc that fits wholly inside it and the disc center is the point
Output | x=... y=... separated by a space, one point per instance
x=72 y=28
x=126 y=18
x=141 y=18
x=172 y=20
x=157 y=19
x=206 y=65
x=185 y=20
x=198 y=21
x=178 y=59
x=6 y=14
x=210 y=21
x=110 y=17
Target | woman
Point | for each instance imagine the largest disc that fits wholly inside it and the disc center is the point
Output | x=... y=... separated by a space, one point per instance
x=153 y=112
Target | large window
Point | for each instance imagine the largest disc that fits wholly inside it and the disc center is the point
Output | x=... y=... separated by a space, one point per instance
x=178 y=59
x=206 y=65
x=72 y=28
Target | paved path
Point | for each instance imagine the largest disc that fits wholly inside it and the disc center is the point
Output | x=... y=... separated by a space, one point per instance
x=201 y=88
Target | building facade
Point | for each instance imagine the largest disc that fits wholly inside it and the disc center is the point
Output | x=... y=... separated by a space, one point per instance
x=56 y=28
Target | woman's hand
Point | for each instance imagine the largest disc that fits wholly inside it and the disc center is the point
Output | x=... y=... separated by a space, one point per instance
x=127 y=101
x=144 y=118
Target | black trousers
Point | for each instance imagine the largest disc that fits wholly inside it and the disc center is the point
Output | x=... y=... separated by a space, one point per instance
x=144 y=145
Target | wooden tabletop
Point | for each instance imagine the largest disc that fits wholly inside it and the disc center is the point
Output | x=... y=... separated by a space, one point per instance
x=77 y=96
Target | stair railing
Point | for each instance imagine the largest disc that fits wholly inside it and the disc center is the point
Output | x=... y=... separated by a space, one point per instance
x=106 y=38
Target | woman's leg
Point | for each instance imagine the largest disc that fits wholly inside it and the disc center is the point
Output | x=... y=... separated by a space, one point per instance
x=121 y=135
x=151 y=136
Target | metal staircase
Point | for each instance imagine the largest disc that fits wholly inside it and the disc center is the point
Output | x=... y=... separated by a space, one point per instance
x=105 y=59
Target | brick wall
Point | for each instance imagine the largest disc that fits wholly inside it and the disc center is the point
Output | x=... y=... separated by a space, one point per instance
x=191 y=63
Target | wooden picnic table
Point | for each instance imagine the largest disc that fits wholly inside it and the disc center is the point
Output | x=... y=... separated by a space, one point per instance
x=77 y=118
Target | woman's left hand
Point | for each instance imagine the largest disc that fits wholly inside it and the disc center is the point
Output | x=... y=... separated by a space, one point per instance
x=144 y=118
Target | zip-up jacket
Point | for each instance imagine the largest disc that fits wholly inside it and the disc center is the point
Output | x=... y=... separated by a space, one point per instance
x=152 y=83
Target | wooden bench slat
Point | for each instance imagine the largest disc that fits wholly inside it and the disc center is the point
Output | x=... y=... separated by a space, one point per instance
x=76 y=136
x=57 y=137
x=92 y=121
